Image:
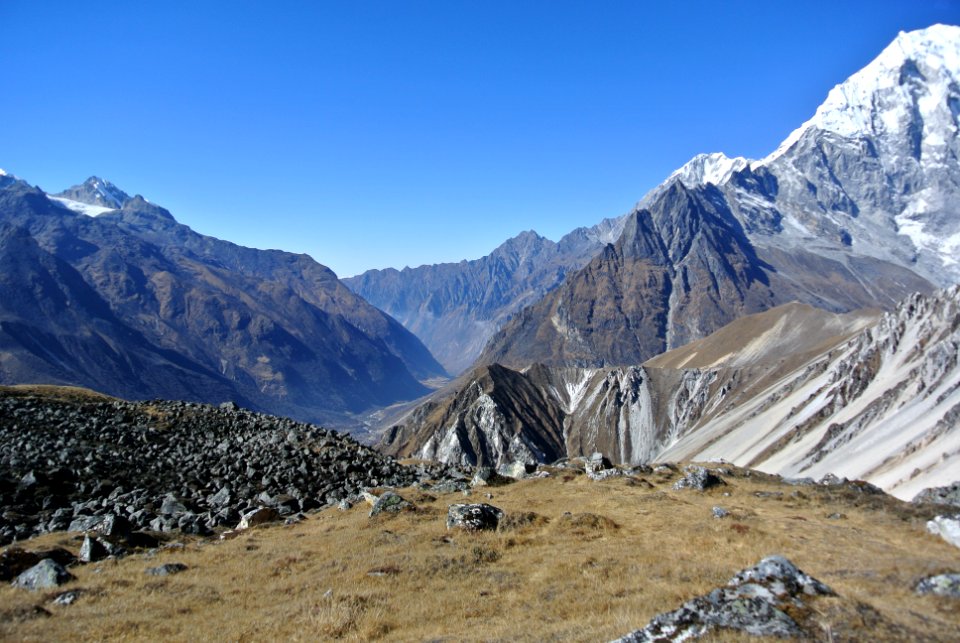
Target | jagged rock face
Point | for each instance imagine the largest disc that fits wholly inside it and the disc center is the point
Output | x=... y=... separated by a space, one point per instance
x=683 y=268
x=791 y=391
x=455 y=308
x=134 y=304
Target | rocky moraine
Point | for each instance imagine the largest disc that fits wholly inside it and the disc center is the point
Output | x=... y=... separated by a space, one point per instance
x=79 y=462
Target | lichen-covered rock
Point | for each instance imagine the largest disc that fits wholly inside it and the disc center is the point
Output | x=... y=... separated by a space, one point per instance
x=941 y=585
x=474 y=517
x=755 y=601
x=390 y=502
x=947 y=527
x=44 y=575
x=699 y=479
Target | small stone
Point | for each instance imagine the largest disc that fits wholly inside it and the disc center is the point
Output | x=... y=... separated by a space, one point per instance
x=836 y=516
x=344 y=505
x=720 y=512
x=390 y=502
x=67 y=598
x=167 y=569
x=941 y=585
x=699 y=479
x=92 y=550
x=44 y=575
x=485 y=476
x=515 y=470
x=257 y=517
x=473 y=517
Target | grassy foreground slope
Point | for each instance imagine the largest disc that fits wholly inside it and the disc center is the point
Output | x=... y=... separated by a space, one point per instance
x=593 y=561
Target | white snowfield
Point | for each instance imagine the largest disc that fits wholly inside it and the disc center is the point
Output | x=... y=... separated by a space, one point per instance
x=82 y=208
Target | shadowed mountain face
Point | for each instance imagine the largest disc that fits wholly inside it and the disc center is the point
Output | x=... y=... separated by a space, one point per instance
x=683 y=268
x=454 y=308
x=109 y=302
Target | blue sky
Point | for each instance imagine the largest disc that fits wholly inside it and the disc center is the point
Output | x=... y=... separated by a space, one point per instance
x=375 y=134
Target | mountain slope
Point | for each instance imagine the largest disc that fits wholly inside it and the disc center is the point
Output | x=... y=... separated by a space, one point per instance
x=273 y=329
x=683 y=267
x=856 y=208
x=792 y=390
x=454 y=308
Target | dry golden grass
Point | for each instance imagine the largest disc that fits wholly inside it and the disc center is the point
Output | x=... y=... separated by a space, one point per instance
x=581 y=561
x=66 y=393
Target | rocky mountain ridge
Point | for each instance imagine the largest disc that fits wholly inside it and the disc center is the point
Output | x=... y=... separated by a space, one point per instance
x=132 y=303
x=454 y=308
x=792 y=390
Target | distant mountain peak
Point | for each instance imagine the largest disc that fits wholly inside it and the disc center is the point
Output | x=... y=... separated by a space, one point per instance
x=96 y=192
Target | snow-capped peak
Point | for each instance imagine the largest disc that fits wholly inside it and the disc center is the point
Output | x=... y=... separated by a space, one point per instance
x=2 y=172
x=713 y=168
x=919 y=68
x=97 y=192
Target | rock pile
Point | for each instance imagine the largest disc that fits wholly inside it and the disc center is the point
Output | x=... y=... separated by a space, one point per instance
x=113 y=467
x=757 y=601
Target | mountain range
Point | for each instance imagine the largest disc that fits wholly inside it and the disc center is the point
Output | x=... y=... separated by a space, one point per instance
x=132 y=303
x=855 y=210
x=455 y=308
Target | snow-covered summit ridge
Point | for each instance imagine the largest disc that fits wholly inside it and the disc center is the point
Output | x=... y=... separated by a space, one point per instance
x=918 y=68
x=96 y=192
x=713 y=168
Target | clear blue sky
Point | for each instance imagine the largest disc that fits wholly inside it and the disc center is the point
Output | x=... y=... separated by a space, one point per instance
x=375 y=134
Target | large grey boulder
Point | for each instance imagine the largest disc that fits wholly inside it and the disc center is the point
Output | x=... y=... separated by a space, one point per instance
x=474 y=517
x=44 y=575
x=755 y=601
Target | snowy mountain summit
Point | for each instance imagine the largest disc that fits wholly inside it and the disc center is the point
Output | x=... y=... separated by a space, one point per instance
x=92 y=197
x=875 y=171
x=97 y=191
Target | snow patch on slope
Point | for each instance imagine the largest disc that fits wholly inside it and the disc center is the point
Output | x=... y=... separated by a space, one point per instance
x=82 y=208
